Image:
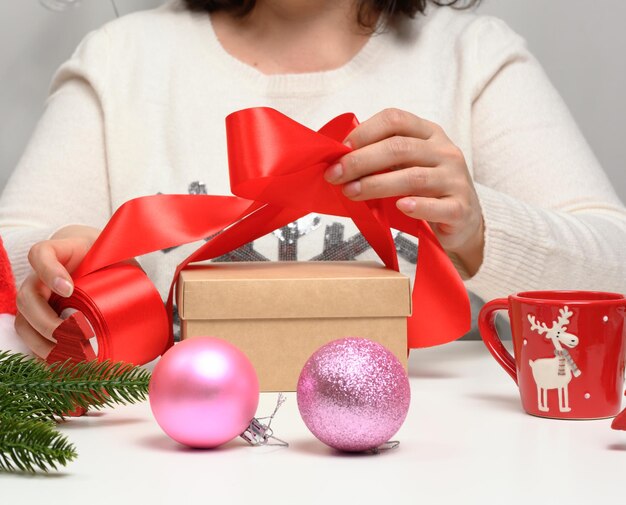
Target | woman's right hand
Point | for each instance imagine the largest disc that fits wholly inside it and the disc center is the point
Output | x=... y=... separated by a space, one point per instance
x=52 y=261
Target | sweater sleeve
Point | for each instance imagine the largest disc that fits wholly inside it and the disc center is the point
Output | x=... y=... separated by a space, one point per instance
x=552 y=219
x=61 y=178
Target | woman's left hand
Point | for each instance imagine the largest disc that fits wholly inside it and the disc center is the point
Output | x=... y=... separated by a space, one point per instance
x=396 y=153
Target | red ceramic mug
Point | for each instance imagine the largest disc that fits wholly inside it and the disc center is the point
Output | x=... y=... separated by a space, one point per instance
x=569 y=351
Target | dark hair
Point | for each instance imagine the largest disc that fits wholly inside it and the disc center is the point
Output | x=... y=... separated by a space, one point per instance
x=389 y=8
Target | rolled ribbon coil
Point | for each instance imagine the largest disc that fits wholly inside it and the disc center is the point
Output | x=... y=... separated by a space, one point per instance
x=130 y=322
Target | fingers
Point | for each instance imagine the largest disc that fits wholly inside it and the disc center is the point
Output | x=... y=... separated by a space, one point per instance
x=436 y=210
x=32 y=303
x=388 y=123
x=39 y=345
x=54 y=259
x=394 y=152
x=421 y=181
x=390 y=139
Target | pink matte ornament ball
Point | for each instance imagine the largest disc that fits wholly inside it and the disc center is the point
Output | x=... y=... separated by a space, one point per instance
x=204 y=392
x=353 y=394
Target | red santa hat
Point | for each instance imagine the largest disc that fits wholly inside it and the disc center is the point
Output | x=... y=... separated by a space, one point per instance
x=7 y=284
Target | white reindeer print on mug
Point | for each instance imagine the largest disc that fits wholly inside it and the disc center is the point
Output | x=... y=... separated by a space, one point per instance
x=555 y=373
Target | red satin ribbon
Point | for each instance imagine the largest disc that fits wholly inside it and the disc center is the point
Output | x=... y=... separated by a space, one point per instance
x=276 y=171
x=125 y=311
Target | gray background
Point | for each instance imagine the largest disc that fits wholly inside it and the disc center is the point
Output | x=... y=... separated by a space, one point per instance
x=580 y=43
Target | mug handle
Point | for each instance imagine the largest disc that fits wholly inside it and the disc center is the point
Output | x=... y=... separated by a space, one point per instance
x=487 y=328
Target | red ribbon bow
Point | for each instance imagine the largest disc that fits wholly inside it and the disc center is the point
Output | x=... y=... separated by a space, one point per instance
x=276 y=171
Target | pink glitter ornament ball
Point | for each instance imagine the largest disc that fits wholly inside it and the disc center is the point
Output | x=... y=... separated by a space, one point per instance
x=204 y=392
x=353 y=394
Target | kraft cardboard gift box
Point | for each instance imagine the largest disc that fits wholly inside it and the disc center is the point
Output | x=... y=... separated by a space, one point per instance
x=279 y=313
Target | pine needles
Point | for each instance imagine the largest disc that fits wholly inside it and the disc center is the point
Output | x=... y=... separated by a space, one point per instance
x=33 y=394
x=31 y=444
x=64 y=386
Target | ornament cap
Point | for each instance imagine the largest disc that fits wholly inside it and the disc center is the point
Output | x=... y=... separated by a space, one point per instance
x=258 y=433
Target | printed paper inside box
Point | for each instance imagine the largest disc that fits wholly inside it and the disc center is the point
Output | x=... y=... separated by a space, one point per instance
x=279 y=313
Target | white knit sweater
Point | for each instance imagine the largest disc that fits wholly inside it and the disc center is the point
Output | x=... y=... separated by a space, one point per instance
x=139 y=109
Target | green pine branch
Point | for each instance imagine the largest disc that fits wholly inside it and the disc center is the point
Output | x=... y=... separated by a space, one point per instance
x=31 y=444
x=21 y=406
x=33 y=393
x=62 y=387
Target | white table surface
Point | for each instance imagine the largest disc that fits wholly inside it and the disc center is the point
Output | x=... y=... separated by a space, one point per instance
x=465 y=440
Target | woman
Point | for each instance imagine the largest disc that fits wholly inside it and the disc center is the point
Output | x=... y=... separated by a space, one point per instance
x=480 y=143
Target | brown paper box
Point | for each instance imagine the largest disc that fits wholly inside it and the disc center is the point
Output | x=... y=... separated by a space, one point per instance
x=279 y=313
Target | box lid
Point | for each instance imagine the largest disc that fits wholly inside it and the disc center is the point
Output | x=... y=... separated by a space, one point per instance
x=292 y=289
